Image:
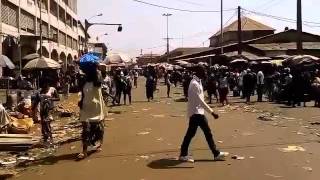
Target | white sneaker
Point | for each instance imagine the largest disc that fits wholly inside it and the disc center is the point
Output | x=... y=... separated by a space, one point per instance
x=186 y=159
x=222 y=156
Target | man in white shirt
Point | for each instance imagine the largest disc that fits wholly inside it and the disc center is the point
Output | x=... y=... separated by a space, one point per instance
x=196 y=107
x=260 y=85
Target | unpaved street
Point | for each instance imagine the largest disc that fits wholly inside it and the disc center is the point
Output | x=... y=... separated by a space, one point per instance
x=143 y=139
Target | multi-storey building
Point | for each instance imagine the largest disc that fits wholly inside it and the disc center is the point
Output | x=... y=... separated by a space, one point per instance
x=20 y=29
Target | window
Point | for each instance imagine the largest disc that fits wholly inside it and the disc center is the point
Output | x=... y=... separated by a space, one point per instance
x=62 y=38
x=74 y=44
x=45 y=28
x=62 y=14
x=9 y=13
x=27 y=22
x=54 y=8
x=54 y=34
x=69 y=20
x=69 y=42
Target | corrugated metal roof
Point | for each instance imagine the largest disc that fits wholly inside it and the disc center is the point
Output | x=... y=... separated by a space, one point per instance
x=285 y=46
x=247 y=25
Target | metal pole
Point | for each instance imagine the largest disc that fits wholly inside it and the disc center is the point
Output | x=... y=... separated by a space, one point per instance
x=221 y=43
x=19 y=39
x=239 y=31
x=41 y=40
x=167 y=37
x=299 y=27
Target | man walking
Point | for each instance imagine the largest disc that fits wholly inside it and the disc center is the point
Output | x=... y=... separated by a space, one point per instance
x=248 y=85
x=196 y=106
x=260 y=85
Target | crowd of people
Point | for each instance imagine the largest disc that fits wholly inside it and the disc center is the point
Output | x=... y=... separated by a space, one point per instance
x=282 y=85
x=99 y=87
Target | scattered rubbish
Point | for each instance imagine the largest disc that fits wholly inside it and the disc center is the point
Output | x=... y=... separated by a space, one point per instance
x=6 y=173
x=158 y=116
x=288 y=118
x=315 y=123
x=292 y=149
x=160 y=139
x=248 y=134
x=221 y=110
x=73 y=147
x=109 y=119
x=135 y=111
x=307 y=168
x=301 y=133
x=267 y=117
x=143 y=133
x=273 y=176
x=251 y=157
x=9 y=162
x=237 y=157
x=144 y=157
x=145 y=109
x=316 y=117
x=220 y=142
x=318 y=134
x=177 y=116
x=25 y=158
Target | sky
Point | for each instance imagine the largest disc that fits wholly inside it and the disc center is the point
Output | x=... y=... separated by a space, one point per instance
x=145 y=28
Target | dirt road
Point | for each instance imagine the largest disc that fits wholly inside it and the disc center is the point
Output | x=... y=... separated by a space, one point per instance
x=142 y=139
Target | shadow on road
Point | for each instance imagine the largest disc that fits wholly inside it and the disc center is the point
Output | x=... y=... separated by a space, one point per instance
x=168 y=164
x=51 y=160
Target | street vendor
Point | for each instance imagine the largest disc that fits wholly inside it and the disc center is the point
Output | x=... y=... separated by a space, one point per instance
x=91 y=106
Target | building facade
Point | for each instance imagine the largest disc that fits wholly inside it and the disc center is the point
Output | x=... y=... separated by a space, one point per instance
x=20 y=29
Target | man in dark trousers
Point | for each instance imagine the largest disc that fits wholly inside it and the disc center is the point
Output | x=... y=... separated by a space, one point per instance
x=196 y=107
x=248 y=85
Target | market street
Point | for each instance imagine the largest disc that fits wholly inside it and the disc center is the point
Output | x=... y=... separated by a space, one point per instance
x=143 y=140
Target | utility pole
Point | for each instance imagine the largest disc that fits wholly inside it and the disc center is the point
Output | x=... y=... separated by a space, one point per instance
x=221 y=27
x=299 y=27
x=167 y=15
x=239 y=31
x=41 y=38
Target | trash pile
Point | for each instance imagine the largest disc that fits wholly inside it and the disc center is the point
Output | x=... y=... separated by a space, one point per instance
x=67 y=109
x=21 y=143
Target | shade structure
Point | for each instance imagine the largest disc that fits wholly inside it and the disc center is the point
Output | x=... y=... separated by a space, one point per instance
x=300 y=60
x=31 y=56
x=239 y=61
x=42 y=63
x=6 y=62
x=116 y=58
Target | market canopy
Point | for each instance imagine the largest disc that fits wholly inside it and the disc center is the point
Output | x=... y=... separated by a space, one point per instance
x=42 y=63
x=300 y=60
x=31 y=56
x=116 y=58
x=6 y=62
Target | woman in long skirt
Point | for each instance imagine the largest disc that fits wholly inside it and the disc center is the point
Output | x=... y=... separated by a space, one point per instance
x=91 y=109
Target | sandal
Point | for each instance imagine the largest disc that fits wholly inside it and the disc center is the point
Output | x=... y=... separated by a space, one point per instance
x=81 y=156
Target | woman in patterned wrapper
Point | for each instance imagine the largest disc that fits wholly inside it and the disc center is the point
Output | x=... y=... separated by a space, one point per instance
x=91 y=108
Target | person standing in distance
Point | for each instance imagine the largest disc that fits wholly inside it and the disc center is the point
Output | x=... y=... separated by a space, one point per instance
x=196 y=107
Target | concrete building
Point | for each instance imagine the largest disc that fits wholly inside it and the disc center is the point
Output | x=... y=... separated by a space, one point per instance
x=20 y=29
